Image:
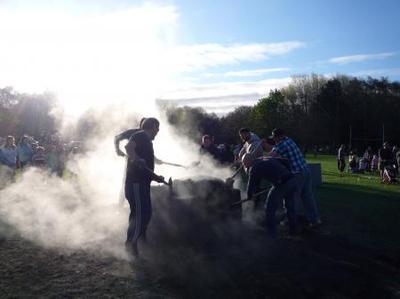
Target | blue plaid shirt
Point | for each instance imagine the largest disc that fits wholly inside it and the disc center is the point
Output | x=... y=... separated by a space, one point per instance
x=288 y=149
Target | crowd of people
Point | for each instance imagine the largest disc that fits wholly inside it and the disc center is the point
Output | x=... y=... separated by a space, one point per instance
x=46 y=153
x=386 y=161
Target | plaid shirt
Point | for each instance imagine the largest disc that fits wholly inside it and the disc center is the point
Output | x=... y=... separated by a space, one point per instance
x=287 y=148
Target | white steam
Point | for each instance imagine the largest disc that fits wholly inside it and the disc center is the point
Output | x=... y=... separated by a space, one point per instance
x=116 y=64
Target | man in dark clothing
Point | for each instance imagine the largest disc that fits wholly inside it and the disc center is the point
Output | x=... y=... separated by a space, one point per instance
x=385 y=157
x=341 y=162
x=125 y=135
x=283 y=187
x=208 y=146
x=139 y=174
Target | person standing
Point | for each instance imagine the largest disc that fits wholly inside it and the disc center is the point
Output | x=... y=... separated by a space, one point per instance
x=287 y=148
x=9 y=153
x=341 y=162
x=139 y=174
x=385 y=157
x=25 y=152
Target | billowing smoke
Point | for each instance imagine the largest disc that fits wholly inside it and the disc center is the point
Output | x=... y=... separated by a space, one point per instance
x=83 y=210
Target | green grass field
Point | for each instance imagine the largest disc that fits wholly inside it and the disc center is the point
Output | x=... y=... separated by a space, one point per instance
x=359 y=207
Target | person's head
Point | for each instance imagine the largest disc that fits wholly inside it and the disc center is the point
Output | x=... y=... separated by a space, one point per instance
x=206 y=141
x=141 y=122
x=278 y=134
x=247 y=160
x=24 y=139
x=245 y=134
x=151 y=126
x=268 y=143
x=10 y=141
x=40 y=150
x=342 y=146
x=386 y=144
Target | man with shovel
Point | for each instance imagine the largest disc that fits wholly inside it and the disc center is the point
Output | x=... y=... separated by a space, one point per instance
x=139 y=174
x=283 y=187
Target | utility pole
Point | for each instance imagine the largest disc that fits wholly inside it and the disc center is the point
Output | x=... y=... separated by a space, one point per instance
x=350 y=137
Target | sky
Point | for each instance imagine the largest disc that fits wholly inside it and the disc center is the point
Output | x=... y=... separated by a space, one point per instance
x=213 y=54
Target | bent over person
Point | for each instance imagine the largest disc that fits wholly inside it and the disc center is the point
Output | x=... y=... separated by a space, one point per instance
x=139 y=174
x=283 y=187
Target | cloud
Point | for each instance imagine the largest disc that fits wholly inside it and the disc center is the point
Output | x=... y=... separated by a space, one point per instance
x=209 y=55
x=360 y=58
x=224 y=97
x=378 y=72
x=249 y=73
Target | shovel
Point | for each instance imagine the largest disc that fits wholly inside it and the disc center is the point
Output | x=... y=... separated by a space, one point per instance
x=240 y=202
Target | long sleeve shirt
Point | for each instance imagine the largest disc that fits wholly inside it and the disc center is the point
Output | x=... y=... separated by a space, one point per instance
x=270 y=169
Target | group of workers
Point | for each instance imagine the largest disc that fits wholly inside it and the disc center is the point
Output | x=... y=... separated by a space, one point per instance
x=283 y=166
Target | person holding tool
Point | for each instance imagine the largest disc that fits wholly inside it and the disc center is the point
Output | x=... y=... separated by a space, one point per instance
x=283 y=187
x=125 y=135
x=251 y=145
x=285 y=147
x=139 y=174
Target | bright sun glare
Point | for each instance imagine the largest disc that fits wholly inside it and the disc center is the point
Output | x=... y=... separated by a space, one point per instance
x=89 y=60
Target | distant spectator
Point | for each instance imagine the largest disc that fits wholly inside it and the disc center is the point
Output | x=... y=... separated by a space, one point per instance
x=398 y=160
x=362 y=165
x=8 y=154
x=385 y=157
x=353 y=163
x=374 y=163
x=341 y=162
x=55 y=156
x=39 y=159
x=25 y=151
x=395 y=158
x=367 y=157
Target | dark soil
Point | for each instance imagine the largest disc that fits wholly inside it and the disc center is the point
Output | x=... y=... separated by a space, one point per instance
x=189 y=256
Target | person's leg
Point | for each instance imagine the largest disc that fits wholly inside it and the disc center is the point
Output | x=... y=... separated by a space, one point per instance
x=131 y=242
x=272 y=203
x=289 y=195
x=299 y=180
x=146 y=208
x=308 y=199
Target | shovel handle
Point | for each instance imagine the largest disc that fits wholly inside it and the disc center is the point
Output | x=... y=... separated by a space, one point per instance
x=251 y=198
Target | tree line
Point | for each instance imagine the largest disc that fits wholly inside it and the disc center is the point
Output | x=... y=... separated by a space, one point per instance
x=22 y=113
x=313 y=109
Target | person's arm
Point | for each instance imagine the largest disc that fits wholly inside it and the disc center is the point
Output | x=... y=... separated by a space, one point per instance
x=124 y=135
x=117 y=140
x=253 y=183
x=242 y=152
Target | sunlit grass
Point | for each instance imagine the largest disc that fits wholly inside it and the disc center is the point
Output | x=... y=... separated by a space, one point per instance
x=358 y=206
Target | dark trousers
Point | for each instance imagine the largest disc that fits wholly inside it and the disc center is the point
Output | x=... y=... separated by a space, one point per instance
x=341 y=164
x=275 y=197
x=138 y=196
